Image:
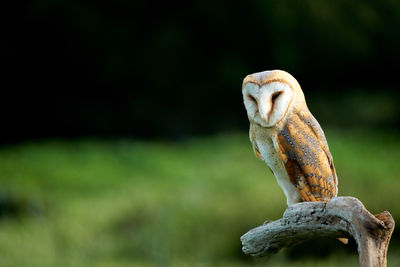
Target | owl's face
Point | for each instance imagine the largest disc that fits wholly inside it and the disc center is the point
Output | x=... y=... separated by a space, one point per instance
x=268 y=96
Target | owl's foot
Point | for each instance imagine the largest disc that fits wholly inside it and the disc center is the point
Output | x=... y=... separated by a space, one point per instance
x=267 y=222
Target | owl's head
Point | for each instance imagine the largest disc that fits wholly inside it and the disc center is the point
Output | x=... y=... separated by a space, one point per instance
x=269 y=95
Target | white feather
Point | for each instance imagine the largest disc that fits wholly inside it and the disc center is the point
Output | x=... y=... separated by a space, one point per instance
x=270 y=155
x=259 y=110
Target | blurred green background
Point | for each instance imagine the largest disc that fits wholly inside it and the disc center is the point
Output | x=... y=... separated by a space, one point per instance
x=124 y=138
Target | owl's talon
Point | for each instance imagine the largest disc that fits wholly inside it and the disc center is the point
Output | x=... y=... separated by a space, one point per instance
x=267 y=222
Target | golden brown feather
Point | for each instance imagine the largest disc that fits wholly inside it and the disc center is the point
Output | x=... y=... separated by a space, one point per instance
x=307 y=158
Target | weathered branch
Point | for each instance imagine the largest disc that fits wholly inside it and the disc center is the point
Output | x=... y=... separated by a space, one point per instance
x=339 y=217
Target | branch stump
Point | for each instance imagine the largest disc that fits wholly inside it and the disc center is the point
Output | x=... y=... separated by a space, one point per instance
x=339 y=217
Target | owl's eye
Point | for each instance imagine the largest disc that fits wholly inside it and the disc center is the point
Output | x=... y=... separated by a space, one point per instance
x=275 y=96
x=252 y=99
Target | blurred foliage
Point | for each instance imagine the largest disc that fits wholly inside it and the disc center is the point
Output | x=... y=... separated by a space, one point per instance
x=174 y=71
x=166 y=69
x=131 y=203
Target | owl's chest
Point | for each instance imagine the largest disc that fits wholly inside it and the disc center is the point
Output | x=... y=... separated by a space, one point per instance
x=270 y=155
x=263 y=139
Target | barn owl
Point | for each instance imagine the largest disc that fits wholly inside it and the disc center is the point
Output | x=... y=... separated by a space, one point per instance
x=288 y=138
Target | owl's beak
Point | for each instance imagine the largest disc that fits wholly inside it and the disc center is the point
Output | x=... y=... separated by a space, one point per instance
x=264 y=106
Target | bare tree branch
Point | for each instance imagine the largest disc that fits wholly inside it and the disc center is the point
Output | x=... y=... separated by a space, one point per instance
x=339 y=217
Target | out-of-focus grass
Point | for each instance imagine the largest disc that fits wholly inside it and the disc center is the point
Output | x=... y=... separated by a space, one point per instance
x=131 y=203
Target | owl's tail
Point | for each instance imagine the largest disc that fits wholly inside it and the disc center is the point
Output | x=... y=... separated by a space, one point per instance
x=344 y=240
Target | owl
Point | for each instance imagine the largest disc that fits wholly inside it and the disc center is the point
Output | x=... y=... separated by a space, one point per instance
x=287 y=137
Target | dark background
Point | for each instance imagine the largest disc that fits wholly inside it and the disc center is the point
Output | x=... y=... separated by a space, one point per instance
x=93 y=92
x=167 y=70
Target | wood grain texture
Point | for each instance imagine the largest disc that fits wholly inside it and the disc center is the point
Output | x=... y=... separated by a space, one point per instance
x=339 y=217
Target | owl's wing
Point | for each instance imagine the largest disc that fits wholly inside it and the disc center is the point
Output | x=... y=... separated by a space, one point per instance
x=304 y=151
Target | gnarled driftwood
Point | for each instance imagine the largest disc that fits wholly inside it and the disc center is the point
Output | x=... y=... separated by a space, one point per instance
x=339 y=217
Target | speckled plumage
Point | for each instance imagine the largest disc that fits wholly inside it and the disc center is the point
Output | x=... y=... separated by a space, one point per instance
x=307 y=159
x=288 y=138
